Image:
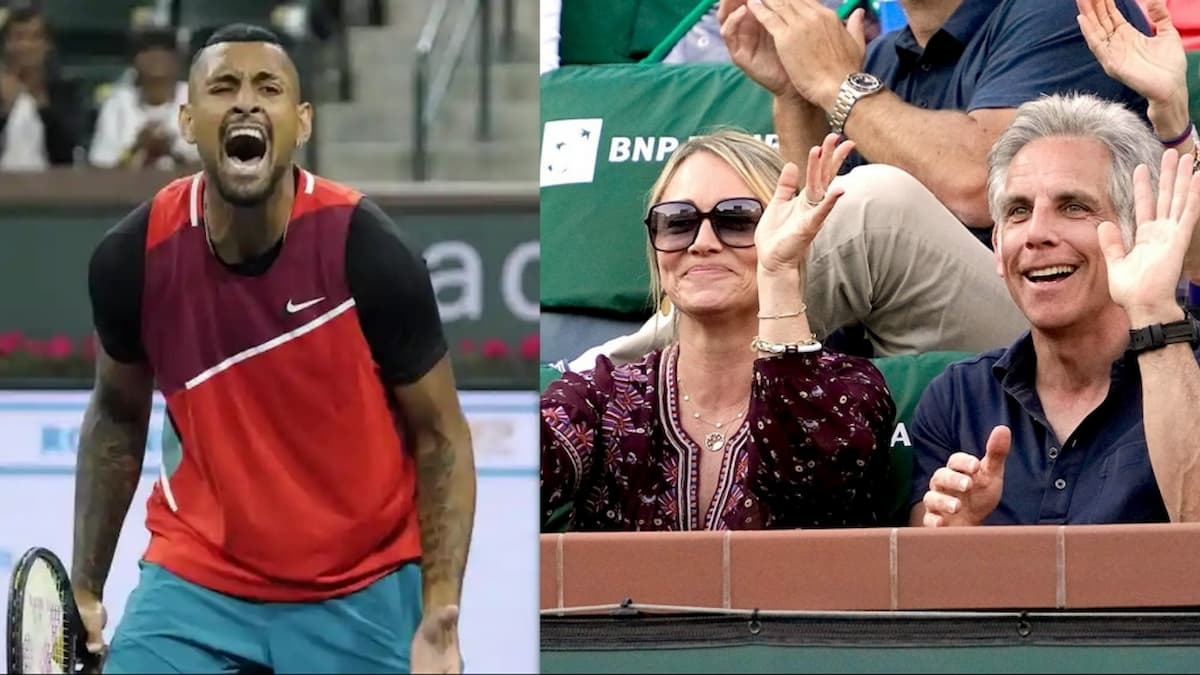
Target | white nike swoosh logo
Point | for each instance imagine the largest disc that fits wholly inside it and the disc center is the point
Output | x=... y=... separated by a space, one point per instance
x=292 y=307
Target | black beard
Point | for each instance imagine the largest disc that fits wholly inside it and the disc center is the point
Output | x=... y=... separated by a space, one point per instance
x=251 y=200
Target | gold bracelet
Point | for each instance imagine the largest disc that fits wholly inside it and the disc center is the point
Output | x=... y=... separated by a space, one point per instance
x=802 y=310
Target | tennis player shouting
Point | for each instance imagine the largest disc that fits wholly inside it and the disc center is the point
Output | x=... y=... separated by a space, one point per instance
x=325 y=491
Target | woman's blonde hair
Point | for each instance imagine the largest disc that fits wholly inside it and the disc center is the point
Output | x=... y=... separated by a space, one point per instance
x=755 y=162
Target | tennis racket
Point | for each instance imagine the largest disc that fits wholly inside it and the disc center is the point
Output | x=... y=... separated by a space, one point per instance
x=45 y=631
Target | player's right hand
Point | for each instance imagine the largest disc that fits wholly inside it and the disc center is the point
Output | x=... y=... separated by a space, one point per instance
x=968 y=489
x=94 y=616
x=435 y=645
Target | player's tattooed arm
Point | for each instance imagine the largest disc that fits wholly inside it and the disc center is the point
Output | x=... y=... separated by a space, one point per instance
x=441 y=441
x=112 y=446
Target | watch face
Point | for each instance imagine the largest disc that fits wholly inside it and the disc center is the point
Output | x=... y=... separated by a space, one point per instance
x=864 y=81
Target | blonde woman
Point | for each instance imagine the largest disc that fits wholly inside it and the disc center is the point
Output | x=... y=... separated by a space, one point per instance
x=743 y=421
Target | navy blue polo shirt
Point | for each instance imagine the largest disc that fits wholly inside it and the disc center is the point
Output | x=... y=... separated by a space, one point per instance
x=1101 y=474
x=997 y=54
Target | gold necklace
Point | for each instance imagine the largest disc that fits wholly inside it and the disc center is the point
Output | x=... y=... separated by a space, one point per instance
x=714 y=440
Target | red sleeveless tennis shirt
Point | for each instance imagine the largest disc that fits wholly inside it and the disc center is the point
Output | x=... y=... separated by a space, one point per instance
x=294 y=483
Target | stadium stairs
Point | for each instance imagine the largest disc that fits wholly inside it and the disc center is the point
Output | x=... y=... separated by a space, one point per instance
x=371 y=137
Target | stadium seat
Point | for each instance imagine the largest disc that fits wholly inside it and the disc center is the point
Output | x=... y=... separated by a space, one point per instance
x=907 y=377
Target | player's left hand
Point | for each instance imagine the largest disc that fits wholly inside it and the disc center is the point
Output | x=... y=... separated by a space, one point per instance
x=1143 y=278
x=435 y=646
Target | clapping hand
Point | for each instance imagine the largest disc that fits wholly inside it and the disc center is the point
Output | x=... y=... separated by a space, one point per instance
x=968 y=489
x=10 y=88
x=814 y=47
x=1143 y=278
x=752 y=48
x=791 y=221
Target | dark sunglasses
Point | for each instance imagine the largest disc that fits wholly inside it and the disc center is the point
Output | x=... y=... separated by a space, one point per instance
x=674 y=226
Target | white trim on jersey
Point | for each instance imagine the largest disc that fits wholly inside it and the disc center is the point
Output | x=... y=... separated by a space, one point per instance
x=269 y=344
x=166 y=486
x=195 y=199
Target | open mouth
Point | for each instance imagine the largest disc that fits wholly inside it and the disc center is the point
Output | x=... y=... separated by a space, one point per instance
x=246 y=148
x=1050 y=275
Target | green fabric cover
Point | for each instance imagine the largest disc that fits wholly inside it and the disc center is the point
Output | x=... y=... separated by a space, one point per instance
x=907 y=377
x=593 y=239
x=615 y=31
x=1194 y=84
x=655 y=21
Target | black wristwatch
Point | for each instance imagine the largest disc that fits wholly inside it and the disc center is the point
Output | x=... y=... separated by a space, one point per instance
x=1159 y=335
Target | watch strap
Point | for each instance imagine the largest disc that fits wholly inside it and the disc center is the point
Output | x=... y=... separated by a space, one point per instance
x=848 y=95
x=1159 y=335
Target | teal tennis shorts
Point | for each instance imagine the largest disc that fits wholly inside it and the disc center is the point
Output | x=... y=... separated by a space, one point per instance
x=174 y=626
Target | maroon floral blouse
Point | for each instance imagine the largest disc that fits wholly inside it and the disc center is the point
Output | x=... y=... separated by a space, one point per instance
x=812 y=452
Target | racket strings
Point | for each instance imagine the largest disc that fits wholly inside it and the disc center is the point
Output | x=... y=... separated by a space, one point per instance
x=45 y=634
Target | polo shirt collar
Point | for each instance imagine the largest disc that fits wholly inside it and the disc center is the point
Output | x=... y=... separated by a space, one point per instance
x=962 y=25
x=1016 y=369
x=1017 y=366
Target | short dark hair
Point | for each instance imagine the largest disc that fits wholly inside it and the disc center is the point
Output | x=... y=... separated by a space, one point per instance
x=239 y=32
x=22 y=13
x=145 y=39
x=242 y=32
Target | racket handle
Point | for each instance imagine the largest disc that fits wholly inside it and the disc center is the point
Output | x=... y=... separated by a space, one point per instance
x=86 y=660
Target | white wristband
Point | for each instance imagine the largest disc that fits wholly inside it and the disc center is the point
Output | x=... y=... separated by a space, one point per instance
x=775 y=348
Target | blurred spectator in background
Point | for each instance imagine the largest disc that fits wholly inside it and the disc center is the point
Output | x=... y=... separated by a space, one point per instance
x=701 y=43
x=35 y=105
x=138 y=124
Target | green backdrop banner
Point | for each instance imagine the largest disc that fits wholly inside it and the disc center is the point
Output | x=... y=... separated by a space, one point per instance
x=607 y=130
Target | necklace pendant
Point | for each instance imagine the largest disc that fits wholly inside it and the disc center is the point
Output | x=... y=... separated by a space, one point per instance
x=714 y=441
